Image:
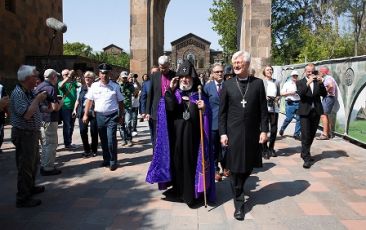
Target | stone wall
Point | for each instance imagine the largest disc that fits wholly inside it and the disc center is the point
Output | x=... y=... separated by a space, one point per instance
x=350 y=74
x=24 y=32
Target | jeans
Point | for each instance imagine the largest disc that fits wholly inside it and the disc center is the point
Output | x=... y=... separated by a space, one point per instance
x=107 y=128
x=68 y=125
x=1 y=134
x=291 y=109
x=49 y=144
x=126 y=128
x=27 y=159
x=134 y=112
x=93 y=147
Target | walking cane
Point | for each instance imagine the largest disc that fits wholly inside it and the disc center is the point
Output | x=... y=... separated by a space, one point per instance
x=202 y=149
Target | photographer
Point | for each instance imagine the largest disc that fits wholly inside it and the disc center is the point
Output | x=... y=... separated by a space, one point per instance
x=50 y=108
x=272 y=88
x=67 y=88
x=310 y=88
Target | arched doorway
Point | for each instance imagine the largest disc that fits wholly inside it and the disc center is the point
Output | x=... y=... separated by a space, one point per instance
x=147 y=31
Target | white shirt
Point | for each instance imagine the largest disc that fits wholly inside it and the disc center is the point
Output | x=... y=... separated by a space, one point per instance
x=271 y=89
x=217 y=86
x=105 y=97
x=290 y=86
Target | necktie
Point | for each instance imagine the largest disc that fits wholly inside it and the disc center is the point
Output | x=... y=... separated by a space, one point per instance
x=218 y=88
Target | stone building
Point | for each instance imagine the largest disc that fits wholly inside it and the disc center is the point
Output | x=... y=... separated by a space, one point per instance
x=24 y=32
x=195 y=49
x=113 y=49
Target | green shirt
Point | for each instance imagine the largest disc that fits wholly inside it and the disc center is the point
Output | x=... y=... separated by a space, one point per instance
x=69 y=92
x=127 y=91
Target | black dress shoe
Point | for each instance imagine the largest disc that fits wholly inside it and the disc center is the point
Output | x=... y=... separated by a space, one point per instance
x=37 y=189
x=281 y=132
x=113 y=167
x=306 y=165
x=273 y=153
x=104 y=164
x=28 y=203
x=52 y=172
x=239 y=213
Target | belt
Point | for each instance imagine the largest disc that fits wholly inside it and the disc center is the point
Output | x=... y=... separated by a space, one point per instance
x=107 y=113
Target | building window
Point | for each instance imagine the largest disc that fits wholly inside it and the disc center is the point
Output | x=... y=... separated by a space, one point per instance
x=10 y=5
x=201 y=63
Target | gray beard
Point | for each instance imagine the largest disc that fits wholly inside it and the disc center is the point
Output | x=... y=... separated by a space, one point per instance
x=185 y=88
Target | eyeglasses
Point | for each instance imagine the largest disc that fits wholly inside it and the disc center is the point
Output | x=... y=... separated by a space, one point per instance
x=219 y=71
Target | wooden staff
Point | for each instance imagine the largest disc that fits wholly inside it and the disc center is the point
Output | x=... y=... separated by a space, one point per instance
x=202 y=148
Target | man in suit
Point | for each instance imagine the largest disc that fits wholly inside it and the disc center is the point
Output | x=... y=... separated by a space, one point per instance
x=155 y=104
x=160 y=82
x=310 y=88
x=212 y=90
x=243 y=125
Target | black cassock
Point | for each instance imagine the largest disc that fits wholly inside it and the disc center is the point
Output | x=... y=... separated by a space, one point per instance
x=186 y=139
x=243 y=125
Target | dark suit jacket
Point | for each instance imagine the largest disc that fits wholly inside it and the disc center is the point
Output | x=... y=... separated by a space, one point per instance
x=307 y=98
x=146 y=85
x=214 y=99
x=154 y=93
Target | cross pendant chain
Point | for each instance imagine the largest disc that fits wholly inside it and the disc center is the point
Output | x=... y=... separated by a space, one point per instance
x=243 y=102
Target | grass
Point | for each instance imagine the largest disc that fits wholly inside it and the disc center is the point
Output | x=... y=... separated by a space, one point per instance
x=357 y=130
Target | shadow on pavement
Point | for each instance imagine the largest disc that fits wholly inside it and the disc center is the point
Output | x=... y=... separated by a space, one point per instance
x=273 y=192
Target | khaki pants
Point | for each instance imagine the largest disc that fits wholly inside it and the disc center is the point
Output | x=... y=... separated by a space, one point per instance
x=49 y=144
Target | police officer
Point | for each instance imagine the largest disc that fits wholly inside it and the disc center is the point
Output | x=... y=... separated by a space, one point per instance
x=109 y=110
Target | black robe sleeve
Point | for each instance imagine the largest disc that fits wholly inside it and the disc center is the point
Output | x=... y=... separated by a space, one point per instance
x=223 y=111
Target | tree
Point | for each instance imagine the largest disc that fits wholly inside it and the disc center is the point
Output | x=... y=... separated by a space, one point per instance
x=224 y=18
x=356 y=11
x=77 y=48
x=81 y=49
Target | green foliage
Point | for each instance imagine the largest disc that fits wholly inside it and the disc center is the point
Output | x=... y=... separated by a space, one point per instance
x=224 y=18
x=77 y=48
x=323 y=44
x=122 y=59
x=80 y=49
x=308 y=30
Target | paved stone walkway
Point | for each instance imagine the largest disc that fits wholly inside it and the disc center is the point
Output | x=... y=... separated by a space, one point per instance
x=282 y=195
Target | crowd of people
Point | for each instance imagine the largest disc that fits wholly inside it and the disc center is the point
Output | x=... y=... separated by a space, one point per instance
x=202 y=130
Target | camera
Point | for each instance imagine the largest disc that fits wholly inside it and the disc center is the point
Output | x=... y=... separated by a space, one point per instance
x=315 y=72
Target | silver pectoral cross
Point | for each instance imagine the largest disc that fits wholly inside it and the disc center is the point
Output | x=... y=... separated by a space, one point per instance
x=243 y=102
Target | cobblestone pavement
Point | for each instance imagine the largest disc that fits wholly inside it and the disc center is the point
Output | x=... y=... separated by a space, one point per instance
x=281 y=195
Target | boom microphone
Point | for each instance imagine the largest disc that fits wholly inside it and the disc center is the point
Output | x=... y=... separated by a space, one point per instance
x=55 y=24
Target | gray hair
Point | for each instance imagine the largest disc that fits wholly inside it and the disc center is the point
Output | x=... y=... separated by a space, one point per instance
x=49 y=73
x=244 y=54
x=163 y=60
x=25 y=71
x=216 y=64
x=89 y=74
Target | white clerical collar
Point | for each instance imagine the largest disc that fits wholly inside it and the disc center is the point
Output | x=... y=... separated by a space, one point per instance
x=242 y=79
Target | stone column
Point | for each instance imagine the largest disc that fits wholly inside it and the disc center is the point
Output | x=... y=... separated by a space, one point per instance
x=255 y=30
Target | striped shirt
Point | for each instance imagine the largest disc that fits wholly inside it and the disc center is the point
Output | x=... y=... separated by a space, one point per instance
x=19 y=103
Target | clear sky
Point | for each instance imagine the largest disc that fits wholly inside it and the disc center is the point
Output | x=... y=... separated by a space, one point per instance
x=99 y=23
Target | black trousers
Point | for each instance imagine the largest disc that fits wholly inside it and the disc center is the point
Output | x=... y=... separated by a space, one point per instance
x=237 y=185
x=93 y=147
x=27 y=159
x=273 y=122
x=309 y=125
